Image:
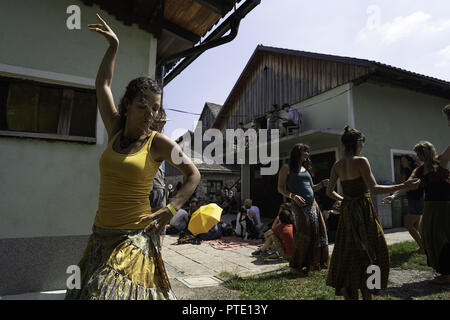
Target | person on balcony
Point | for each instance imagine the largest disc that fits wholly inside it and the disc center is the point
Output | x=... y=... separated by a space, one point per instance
x=293 y=119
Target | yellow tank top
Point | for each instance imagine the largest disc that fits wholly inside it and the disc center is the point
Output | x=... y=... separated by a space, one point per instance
x=125 y=184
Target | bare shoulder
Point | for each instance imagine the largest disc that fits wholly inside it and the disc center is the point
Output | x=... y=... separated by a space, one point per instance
x=361 y=161
x=161 y=146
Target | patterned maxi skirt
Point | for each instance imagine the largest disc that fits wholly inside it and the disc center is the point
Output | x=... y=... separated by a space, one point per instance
x=310 y=239
x=359 y=244
x=435 y=233
x=122 y=265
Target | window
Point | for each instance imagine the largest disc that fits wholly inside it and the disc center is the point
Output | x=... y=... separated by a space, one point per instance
x=214 y=187
x=48 y=111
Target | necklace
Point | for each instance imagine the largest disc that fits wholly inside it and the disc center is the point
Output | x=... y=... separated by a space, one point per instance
x=125 y=142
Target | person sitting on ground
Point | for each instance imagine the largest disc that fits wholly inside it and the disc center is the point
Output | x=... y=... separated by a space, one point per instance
x=180 y=221
x=280 y=236
x=218 y=231
x=253 y=213
x=246 y=225
x=293 y=119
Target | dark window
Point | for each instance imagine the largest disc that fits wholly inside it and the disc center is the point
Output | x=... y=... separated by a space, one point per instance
x=34 y=109
x=214 y=186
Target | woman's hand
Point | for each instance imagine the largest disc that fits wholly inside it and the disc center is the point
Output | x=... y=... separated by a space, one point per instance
x=105 y=30
x=412 y=184
x=299 y=201
x=159 y=220
x=325 y=183
x=387 y=200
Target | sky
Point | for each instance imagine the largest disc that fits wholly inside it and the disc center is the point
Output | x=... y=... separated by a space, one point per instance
x=409 y=34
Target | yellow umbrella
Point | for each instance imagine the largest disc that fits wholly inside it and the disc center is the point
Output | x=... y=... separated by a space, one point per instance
x=205 y=218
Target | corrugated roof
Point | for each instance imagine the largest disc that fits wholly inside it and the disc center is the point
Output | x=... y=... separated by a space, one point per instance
x=348 y=60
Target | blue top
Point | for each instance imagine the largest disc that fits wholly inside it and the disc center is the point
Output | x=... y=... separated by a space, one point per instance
x=299 y=183
x=293 y=114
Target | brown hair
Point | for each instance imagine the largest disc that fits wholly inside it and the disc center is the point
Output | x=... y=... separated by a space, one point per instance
x=428 y=152
x=349 y=139
x=140 y=87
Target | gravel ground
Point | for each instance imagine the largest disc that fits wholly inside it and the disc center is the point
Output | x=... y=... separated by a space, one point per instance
x=403 y=285
x=415 y=285
x=208 y=293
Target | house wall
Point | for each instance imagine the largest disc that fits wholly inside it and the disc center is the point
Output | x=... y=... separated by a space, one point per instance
x=328 y=110
x=282 y=78
x=49 y=189
x=396 y=118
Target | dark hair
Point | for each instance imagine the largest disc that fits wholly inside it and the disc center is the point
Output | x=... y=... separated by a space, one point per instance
x=139 y=87
x=286 y=105
x=446 y=110
x=285 y=216
x=350 y=138
x=295 y=158
x=406 y=173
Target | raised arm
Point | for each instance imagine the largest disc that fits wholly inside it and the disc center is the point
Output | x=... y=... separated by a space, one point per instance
x=105 y=100
x=366 y=173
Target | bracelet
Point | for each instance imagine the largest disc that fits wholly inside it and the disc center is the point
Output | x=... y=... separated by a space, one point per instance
x=172 y=209
x=290 y=196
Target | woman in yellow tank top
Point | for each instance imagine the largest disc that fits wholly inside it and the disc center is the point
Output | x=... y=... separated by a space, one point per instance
x=122 y=259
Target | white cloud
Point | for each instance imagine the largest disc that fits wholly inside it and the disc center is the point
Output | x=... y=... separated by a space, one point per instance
x=402 y=27
x=443 y=57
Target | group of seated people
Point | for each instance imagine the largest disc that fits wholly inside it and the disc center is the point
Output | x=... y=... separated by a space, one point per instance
x=247 y=224
x=278 y=239
x=284 y=119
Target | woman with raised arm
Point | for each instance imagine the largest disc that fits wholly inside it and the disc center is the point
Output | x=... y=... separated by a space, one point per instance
x=435 y=226
x=360 y=240
x=122 y=259
x=310 y=234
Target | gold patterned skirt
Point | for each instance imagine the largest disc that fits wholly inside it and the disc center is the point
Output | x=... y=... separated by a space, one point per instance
x=122 y=265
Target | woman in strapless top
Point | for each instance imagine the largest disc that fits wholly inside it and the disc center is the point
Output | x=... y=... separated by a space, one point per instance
x=360 y=241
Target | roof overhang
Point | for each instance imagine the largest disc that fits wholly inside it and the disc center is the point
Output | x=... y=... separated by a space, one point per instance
x=179 y=25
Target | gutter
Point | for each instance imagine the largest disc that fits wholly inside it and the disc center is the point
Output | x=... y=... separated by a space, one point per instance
x=216 y=38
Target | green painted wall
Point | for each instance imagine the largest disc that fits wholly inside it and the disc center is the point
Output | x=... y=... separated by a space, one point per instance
x=396 y=118
x=50 y=188
x=325 y=111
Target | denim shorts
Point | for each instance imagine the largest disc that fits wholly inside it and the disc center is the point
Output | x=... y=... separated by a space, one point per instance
x=415 y=206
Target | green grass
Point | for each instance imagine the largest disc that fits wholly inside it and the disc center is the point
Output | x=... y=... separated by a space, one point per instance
x=282 y=285
x=402 y=255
